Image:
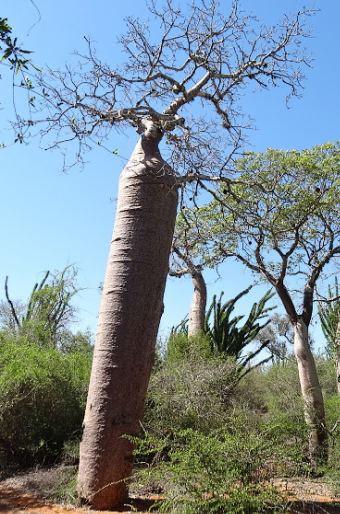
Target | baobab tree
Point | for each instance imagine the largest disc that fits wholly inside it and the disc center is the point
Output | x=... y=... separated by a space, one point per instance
x=199 y=298
x=173 y=86
x=189 y=258
x=282 y=221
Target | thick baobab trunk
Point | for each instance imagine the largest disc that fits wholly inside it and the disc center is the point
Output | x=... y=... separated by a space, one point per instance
x=198 y=305
x=314 y=410
x=131 y=307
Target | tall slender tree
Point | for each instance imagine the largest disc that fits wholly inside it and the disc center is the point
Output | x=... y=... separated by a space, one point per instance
x=282 y=219
x=196 y=53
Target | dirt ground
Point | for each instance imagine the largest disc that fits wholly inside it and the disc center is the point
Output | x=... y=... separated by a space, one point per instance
x=28 y=493
x=32 y=492
x=14 y=499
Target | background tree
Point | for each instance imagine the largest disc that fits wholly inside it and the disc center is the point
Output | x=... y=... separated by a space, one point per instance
x=279 y=332
x=329 y=313
x=198 y=54
x=283 y=220
x=188 y=259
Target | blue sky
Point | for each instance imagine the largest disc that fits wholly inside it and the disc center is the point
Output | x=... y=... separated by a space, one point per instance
x=50 y=219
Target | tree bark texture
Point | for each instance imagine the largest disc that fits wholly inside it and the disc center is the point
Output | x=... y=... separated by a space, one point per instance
x=314 y=410
x=198 y=305
x=131 y=308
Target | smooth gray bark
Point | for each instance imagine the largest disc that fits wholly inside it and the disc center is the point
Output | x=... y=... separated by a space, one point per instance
x=314 y=411
x=131 y=308
x=198 y=305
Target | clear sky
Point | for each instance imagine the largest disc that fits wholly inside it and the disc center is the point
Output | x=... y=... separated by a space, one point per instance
x=50 y=219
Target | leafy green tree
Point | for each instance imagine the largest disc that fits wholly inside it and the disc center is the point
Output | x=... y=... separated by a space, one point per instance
x=329 y=313
x=281 y=221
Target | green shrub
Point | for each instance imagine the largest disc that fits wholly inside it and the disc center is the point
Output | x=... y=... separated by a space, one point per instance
x=327 y=375
x=70 y=453
x=332 y=470
x=282 y=391
x=190 y=393
x=65 y=489
x=199 y=393
x=42 y=399
x=222 y=472
x=180 y=347
x=279 y=388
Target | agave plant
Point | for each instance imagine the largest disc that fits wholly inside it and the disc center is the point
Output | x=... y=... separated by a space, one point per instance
x=225 y=334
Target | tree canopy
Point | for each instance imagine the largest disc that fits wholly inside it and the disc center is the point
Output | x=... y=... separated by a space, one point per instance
x=205 y=55
x=279 y=218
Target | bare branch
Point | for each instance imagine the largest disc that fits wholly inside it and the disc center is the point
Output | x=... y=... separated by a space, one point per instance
x=13 y=311
x=203 y=55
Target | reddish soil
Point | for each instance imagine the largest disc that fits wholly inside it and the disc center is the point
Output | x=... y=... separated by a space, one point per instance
x=16 y=500
x=24 y=494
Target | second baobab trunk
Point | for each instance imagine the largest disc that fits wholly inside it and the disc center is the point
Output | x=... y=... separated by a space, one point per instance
x=198 y=305
x=131 y=307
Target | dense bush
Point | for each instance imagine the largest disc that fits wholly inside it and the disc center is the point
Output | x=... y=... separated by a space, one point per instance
x=193 y=390
x=42 y=399
x=221 y=472
x=332 y=470
x=180 y=348
x=190 y=390
x=327 y=374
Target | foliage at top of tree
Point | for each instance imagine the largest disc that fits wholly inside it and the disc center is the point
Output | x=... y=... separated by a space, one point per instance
x=279 y=218
x=10 y=51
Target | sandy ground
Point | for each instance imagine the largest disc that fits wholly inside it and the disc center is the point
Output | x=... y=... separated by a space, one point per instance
x=27 y=493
